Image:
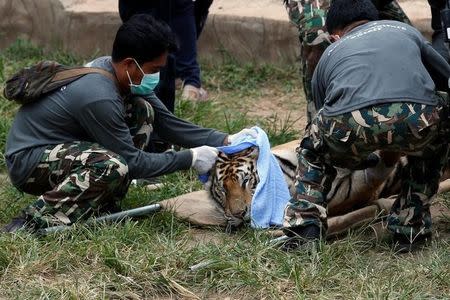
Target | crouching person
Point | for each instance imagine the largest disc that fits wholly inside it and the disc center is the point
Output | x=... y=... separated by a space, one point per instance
x=78 y=147
x=372 y=92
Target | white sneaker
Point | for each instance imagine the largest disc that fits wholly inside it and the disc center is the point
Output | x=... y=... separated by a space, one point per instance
x=193 y=93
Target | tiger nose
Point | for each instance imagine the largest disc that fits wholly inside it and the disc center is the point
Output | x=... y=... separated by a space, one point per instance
x=243 y=212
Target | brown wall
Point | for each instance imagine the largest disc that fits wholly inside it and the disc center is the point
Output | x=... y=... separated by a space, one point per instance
x=46 y=23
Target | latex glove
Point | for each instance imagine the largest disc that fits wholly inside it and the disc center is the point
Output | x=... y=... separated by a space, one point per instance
x=204 y=158
x=246 y=131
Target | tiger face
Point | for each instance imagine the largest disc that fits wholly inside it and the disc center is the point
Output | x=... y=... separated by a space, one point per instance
x=233 y=182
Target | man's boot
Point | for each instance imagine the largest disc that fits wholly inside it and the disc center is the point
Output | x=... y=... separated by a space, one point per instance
x=17 y=223
x=299 y=236
x=403 y=244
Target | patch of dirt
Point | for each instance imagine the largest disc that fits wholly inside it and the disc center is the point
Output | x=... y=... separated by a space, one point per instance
x=280 y=107
x=271 y=104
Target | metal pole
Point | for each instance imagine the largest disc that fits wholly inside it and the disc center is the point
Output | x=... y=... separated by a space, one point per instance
x=278 y=240
x=116 y=217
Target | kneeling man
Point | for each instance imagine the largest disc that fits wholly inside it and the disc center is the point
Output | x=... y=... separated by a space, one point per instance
x=79 y=147
x=374 y=89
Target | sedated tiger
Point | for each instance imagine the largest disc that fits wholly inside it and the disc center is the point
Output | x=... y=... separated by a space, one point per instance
x=234 y=178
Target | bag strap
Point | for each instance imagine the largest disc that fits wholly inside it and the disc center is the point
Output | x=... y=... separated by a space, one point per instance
x=77 y=72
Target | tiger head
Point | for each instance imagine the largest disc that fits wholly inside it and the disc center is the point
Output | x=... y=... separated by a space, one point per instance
x=232 y=183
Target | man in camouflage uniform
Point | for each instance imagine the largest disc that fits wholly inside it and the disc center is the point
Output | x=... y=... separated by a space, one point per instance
x=309 y=17
x=374 y=93
x=82 y=169
x=78 y=147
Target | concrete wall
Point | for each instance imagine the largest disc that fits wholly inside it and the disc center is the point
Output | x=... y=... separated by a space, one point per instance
x=249 y=39
x=48 y=24
x=246 y=38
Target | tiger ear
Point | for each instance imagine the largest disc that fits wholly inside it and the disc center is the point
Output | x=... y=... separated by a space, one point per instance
x=254 y=153
x=222 y=157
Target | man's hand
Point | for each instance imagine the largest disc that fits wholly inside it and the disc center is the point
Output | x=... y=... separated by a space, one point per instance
x=241 y=134
x=204 y=158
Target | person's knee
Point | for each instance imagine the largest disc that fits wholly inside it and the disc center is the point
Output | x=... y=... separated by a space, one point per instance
x=143 y=109
x=110 y=168
x=118 y=167
x=141 y=102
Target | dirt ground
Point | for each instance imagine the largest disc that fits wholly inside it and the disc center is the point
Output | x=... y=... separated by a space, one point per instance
x=272 y=103
x=283 y=105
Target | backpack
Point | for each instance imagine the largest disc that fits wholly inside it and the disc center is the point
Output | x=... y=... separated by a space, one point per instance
x=32 y=83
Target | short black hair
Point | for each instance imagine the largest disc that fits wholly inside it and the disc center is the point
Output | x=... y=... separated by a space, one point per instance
x=143 y=38
x=344 y=12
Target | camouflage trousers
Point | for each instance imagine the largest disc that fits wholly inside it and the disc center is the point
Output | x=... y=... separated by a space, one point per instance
x=78 y=179
x=309 y=17
x=347 y=140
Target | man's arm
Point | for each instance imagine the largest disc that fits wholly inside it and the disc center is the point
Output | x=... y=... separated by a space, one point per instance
x=181 y=132
x=318 y=86
x=105 y=124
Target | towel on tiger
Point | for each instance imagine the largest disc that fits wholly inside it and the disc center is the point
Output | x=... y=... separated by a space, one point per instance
x=272 y=192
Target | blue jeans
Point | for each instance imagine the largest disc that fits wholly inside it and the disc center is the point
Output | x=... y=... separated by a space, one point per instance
x=184 y=25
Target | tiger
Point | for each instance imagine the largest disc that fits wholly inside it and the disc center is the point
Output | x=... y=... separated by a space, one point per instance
x=233 y=182
x=234 y=178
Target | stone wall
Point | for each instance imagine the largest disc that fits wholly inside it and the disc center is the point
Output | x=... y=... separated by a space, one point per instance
x=48 y=24
x=246 y=38
x=249 y=39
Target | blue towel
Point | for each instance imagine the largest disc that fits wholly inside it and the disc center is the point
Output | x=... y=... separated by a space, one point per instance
x=272 y=193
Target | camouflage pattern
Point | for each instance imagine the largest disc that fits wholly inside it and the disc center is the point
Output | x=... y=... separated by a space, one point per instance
x=347 y=140
x=308 y=206
x=75 y=180
x=396 y=127
x=139 y=116
x=309 y=17
x=355 y=135
x=78 y=179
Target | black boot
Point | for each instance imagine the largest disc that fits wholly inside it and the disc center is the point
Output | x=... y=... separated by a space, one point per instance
x=403 y=244
x=16 y=224
x=300 y=236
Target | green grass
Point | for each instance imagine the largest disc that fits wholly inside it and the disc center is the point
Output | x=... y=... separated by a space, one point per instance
x=151 y=257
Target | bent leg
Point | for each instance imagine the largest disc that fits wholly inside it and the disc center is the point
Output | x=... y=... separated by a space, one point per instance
x=309 y=17
x=76 y=180
x=183 y=24
x=308 y=205
x=313 y=182
x=139 y=117
x=410 y=215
